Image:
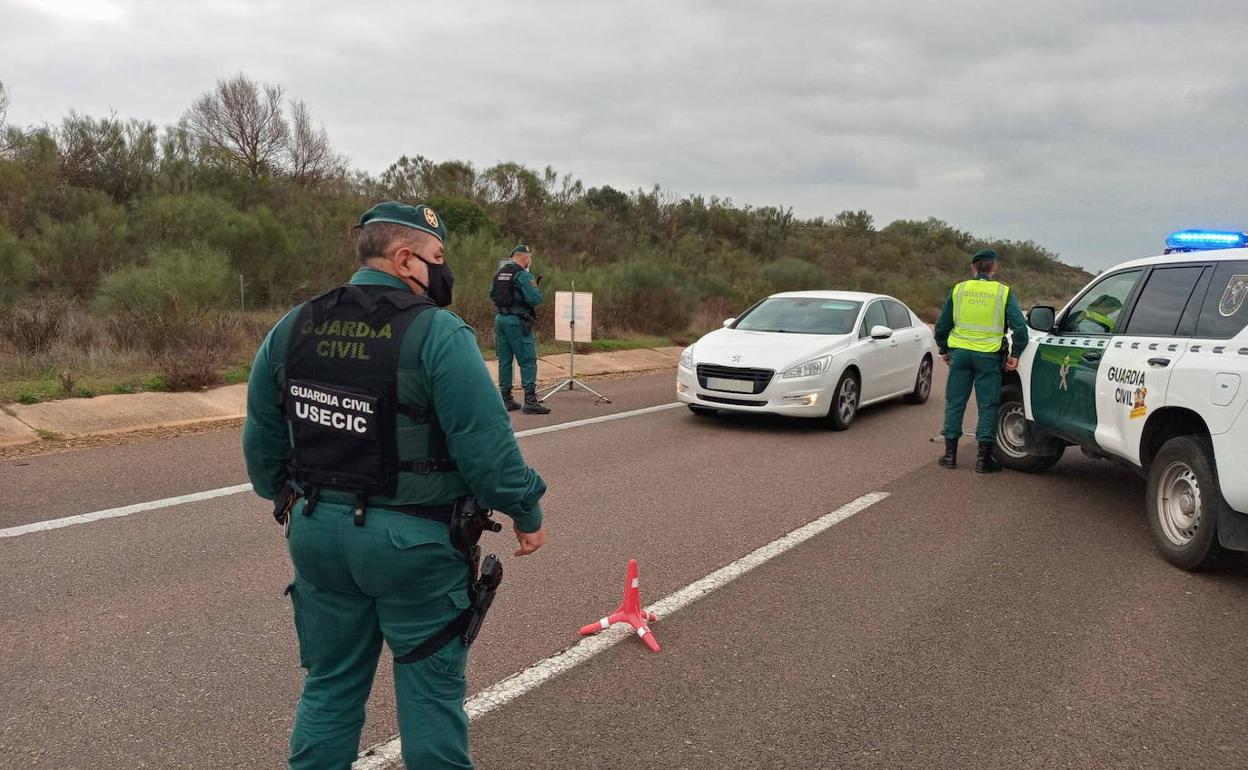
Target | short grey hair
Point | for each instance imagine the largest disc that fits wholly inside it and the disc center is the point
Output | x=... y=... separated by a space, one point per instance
x=375 y=239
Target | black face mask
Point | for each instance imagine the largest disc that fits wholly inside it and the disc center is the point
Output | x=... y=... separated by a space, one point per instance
x=441 y=282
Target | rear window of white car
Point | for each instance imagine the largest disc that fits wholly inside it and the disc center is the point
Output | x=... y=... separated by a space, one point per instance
x=1225 y=312
x=801 y=315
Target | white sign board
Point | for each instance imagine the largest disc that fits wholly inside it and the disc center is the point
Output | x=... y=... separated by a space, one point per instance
x=584 y=316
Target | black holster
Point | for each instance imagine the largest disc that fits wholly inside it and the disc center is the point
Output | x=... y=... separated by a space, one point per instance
x=284 y=503
x=468 y=521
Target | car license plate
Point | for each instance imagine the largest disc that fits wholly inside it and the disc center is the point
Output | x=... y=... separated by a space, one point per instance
x=736 y=386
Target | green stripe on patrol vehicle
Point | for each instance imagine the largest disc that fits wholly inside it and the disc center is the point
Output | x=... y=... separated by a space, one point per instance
x=1063 y=390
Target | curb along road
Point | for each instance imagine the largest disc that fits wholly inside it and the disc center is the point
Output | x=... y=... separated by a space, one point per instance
x=106 y=415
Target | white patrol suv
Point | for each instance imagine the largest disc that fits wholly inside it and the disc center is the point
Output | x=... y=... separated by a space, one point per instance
x=1149 y=366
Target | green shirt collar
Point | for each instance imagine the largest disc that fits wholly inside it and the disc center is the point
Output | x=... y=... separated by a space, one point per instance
x=371 y=276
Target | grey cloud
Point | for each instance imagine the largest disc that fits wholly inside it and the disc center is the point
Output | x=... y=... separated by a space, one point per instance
x=1091 y=127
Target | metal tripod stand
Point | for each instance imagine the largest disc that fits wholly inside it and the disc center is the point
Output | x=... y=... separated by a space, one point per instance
x=571 y=382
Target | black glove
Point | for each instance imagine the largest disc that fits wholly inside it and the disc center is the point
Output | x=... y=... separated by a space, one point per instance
x=537 y=280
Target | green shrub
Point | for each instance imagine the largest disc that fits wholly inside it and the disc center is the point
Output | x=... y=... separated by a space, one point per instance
x=173 y=280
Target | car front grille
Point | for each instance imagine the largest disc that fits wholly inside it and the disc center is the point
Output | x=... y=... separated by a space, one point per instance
x=761 y=378
x=731 y=401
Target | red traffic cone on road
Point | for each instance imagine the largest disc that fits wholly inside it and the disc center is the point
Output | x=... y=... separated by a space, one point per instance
x=630 y=612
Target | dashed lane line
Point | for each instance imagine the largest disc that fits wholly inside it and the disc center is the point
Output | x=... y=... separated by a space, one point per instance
x=385 y=754
x=169 y=502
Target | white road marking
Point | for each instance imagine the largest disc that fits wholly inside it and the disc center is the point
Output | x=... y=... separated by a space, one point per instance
x=168 y=502
x=113 y=513
x=497 y=695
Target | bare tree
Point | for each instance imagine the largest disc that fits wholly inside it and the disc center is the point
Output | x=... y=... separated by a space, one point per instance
x=308 y=151
x=243 y=122
x=4 y=104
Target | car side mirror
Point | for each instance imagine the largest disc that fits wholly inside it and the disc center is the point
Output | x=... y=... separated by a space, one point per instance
x=729 y=322
x=881 y=332
x=1042 y=318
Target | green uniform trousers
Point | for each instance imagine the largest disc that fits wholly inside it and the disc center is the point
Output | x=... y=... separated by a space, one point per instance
x=969 y=368
x=396 y=578
x=510 y=341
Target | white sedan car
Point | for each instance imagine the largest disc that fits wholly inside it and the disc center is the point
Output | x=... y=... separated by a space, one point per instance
x=821 y=354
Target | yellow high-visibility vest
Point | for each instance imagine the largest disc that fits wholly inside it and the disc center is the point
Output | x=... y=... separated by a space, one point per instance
x=979 y=315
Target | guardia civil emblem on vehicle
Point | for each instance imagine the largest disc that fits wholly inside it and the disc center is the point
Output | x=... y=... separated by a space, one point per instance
x=1233 y=297
x=1065 y=370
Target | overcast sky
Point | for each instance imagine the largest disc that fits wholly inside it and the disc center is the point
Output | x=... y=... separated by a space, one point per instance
x=1092 y=127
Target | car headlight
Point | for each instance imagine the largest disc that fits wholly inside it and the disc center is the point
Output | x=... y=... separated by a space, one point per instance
x=686 y=358
x=810 y=368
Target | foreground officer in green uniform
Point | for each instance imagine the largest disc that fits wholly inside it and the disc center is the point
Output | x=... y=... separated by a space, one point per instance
x=370 y=417
x=516 y=295
x=971 y=337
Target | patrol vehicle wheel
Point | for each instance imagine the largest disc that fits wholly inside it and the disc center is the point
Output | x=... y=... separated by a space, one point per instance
x=1184 y=502
x=844 y=406
x=922 y=383
x=703 y=411
x=1012 y=451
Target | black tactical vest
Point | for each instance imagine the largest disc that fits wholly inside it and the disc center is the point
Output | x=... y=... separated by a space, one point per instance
x=341 y=390
x=506 y=296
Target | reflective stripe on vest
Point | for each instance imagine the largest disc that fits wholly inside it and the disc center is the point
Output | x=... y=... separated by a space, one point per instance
x=978 y=316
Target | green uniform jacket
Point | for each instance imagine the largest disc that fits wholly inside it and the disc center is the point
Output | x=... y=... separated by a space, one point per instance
x=1013 y=318
x=524 y=283
x=447 y=373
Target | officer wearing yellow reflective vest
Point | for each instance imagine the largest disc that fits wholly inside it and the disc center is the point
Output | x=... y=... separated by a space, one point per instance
x=516 y=295
x=970 y=335
x=373 y=424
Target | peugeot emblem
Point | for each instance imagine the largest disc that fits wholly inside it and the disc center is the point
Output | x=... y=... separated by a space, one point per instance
x=736 y=359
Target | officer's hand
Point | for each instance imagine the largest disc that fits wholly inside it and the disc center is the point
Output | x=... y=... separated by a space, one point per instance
x=537 y=279
x=945 y=356
x=529 y=541
x=1011 y=364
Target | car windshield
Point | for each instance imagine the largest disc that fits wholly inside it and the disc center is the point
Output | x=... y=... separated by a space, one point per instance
x=801 y=315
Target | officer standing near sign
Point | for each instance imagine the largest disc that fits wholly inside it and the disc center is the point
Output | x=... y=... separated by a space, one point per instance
x=373 y=425
x=971 y=337
x=516 y=295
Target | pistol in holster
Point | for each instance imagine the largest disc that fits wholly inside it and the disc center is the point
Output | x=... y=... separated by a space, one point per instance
x=284 y=503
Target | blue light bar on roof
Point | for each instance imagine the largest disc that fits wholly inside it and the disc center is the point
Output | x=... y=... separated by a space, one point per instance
x=1205 y=240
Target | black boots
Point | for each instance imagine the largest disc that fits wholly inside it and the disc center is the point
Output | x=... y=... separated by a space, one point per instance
x=532 y=405
x=985 y=462
x=950 y=458
x=508 y=401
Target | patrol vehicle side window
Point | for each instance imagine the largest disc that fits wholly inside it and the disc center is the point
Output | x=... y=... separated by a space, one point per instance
x=1099 y=310
x=875 y=317
x=1225 y=312
x=1163 y=300
x=898 y=316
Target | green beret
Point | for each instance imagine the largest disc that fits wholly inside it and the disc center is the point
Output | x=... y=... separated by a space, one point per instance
x=522 y=249
x=416 y=217
x=985 y=255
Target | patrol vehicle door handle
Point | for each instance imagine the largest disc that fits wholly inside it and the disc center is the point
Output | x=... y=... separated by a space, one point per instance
x=1092 y=355
x=1158 y=362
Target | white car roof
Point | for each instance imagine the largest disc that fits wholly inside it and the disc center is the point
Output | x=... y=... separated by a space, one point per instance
x=1212 y=255
x=856 y=296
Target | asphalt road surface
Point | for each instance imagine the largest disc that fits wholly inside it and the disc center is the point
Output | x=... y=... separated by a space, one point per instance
x=963 y=621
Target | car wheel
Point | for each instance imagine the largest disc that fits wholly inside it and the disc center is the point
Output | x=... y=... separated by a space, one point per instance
x=1184 y=502
x=703 y=411
x=1012 y=450
x=845 y=399
x=922 y=383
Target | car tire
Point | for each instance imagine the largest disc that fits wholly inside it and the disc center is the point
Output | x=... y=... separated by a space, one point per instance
x=922 y=383
x=1011 y=450
x=845 y=399
x=1184 y=502
x=703 y=411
